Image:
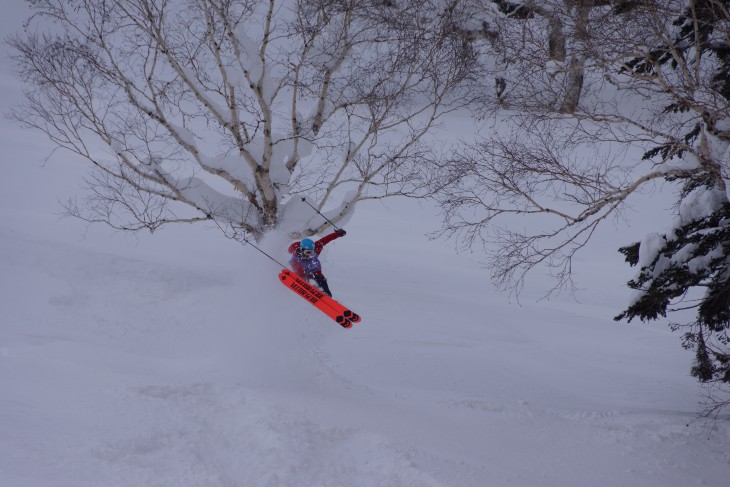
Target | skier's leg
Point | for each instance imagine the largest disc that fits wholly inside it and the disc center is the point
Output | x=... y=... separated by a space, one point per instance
x=322 y=283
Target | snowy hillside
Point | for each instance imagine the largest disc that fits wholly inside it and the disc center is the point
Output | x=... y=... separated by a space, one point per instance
x=178 y=360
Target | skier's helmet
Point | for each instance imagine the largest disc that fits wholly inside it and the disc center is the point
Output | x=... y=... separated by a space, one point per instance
x=306 y=247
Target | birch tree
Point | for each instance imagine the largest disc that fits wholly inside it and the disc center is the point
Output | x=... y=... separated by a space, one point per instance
x=567 y=173
x=232 y=111
x=540 y=47
x=654 y=107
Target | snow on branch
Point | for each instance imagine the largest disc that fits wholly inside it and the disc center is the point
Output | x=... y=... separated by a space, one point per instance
x=241 y=105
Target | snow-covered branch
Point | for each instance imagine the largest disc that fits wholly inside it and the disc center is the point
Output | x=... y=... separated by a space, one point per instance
x=240 y=104
x=651 y=86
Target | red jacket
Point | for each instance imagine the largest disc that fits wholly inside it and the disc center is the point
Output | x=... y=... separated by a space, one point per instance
x=318 y=245
x=296 y=264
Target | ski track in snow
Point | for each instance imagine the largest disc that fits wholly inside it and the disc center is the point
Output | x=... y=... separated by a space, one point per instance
x=148 y=368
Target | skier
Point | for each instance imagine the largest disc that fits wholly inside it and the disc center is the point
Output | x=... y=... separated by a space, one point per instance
x=305 y=258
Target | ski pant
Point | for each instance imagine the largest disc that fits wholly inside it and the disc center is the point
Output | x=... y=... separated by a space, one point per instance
x=321 y=281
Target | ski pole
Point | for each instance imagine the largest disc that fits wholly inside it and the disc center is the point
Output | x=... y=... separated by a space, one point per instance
x=263 y=252
x=315 y=209
x=236 y=236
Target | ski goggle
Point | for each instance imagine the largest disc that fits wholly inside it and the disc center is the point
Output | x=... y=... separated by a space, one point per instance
x=307 y=252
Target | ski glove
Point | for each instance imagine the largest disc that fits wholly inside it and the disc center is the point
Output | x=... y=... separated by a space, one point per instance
x=340 y=232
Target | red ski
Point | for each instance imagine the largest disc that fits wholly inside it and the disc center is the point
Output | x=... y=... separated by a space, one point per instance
x=342 y=315
x=335 y=305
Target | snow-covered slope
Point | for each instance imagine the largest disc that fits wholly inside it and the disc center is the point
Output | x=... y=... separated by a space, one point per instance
x=178 y=360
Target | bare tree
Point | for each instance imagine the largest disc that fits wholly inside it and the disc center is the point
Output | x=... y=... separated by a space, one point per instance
x=653 y=83
x=542 y=48
x=647 y=99
x=232 y=110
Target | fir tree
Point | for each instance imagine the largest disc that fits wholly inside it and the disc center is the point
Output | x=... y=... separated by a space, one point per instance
x=696 y=253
